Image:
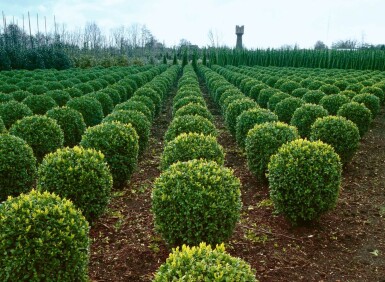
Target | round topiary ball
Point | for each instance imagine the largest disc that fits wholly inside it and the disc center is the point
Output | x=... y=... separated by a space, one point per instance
x=89 y=107
x=61 y=97
x=119 y=143
x=5 y=97
x=71 y=122
x=275 y=99
x=236 y=108
x=17 y=166
x=370 y=101
x=3 y=129
x=105 y=100
x=152 y=94
x=304 y=180
x=80 y=175
x=329 y=89
x=265 y=95
x=375 y=91
x=357 y=113
x=305 y=116
x=135 y=106
x=263 y=141
x=12 y=111
x=289 y=86
x=202 y=263
x=313 y=96
x=342 y=134
x=39 y=104
x=189 y=146
x=188 y=123
x=42 y=133
x=147 y=101
x=286 y=108
x=20 y=95
x=333 y=102
x=43 y=238
x=196 y=201
x=194 y=109
x=248 y=119
x=187 y=100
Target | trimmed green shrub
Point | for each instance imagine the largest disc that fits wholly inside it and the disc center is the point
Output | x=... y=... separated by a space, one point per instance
x=315 y=85
x=313 y=96
x=289 y=86
x=54 y=85
x=357 y=113
x=89 y=107
x=71 y=122
x=201 y=263
x=5 y=97
x=375 y=91
x=370 y=101
x=3 y=129
x=333 y=102
x=265 y=95
x=286 y=108
x=135 y=106
x=194 y=109
x=256 y=90
x=348 y=93
x=231 y=99
x=152 y=94
x=196 y=201
x=186 y=124
x=80 y=175
x=299 y=92
x=275 y=99
x=42 y=133
x=147 y=101
x=74 y=92
x=119 y=143
x=8 y=88
x=229 y=93
x=20 y=95
x=12 y=111
x=39 y=104
x=263 y=141
x=236 y=108
x=61 y=97
x=342 y=134
x=341 y=84
x=37 y=89
x=304 y=180
x=138 y=120
x=104 y=100
x=17 y=166
x=356 y=87
x=248 y=119
x=43 y=238
x=305 y=116
x=84 y=87
x=329 y=89
x=113 y=92
x=189 y=146
x=187 y=100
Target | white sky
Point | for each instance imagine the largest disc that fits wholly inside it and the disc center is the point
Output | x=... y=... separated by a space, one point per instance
x=270 y=23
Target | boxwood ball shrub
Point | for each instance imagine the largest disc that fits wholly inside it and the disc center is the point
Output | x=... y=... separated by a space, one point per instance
x=370 y=101
x=120 y=145
x=342 y=134
x=275 y=99
x=286 y=108
x=333 y=102
x=71 y=122
x=43 y=238
x=135 y=106
x=80 y=175
x=5 y=97
x=12 y=111
x=357 y=113
x=17 y=166
x=375 y=91
x=188 y=123
x=61 y=97
x=20 y=95
x=138 y=120
x=3 y=129
x=236 y=108
x=263 y=141
x=194 y=109
x=42 y=133
x=147 y=101
x=202 y=263
x=248 y=119
x=152 y=94
x=39 y=104
x=313 y=96
x=196 y=201
x=89 y=107
x=105 y=100
x=305 y=116
x=304 y=180
x=187 y=100
x=189 y=146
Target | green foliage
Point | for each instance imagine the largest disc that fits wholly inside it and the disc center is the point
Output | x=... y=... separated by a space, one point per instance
x=8 y=88
x=356 y=87
x=5 y=97
x=12 y=111
x=147 y=101
x=196 y=201
x=305 y=116
x=20 y=95
x=265 y=95
x=17 y=166
x=186 y=124
x=194 y=109
x=71 y=122
x=74 y=92
x=313 y=96
x=333 y=102
x=152 y=94
x=289 y=86
x=202 y=263
x=42 y=133
x=189 y=146
x=39 y=104
x=104 y=100
x=357 y=113
x=299 y=92
x=131 y=105
x=61 y=97
x=348 y=93
x=304 y=180
x=89 y=107
x=375 y=91
x=235 y=109
x=329 y=89
x=2 y=126
x=370 y=101
x=275 y=99
x=37 y=89
x=114 y=92
x=43 y=238
x=286 y=108
x=342 y=134
x=80 y=175
x=177 y=104
x=263 y=141
x=85 y=88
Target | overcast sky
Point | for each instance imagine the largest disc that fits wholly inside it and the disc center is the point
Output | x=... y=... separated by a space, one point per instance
x=268 y=23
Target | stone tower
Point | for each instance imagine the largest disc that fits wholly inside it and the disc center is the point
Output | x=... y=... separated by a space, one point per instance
x=239 y=30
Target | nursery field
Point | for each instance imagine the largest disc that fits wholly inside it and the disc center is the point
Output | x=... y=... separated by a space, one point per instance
x=154 y=157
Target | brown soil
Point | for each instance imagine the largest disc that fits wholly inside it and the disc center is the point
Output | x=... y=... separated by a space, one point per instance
x=347 y=244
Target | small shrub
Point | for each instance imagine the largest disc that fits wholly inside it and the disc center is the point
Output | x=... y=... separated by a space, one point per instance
x=342 y=134
x=20 y=95
x=8 y=88
x=187 y=100
x=333 y=102
x=196 y=201
x=85 y=88
x=42 y=133
x=305 y=116
x=263 y=141
x=194 y=109
x=286 y=108
x=201 y=263
x=313 y=96
x=299 y=92
x=152 y=94
x=147 y=101
x=236 y=108
x=348 y=93
x=289 y=86
x=357 y=113
x=135 y=106
x=256 y=90
x=5 y=97
x=356 y=87
x=329 y=89
x=74 y=92
x=370 y=101
x=186 y=124
x=61 y=97
x=113 y=92
x=17 y=166
x=89 y=107
x=12 y=111
x=265 y=95
x=3 y=129
x=104 y=100
x=43 y=238
x=39 y=104
x=189 y=146
x=71 y=122
x=80 y=175
x=37 y=89
x=304 y=180
x=275 y=99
